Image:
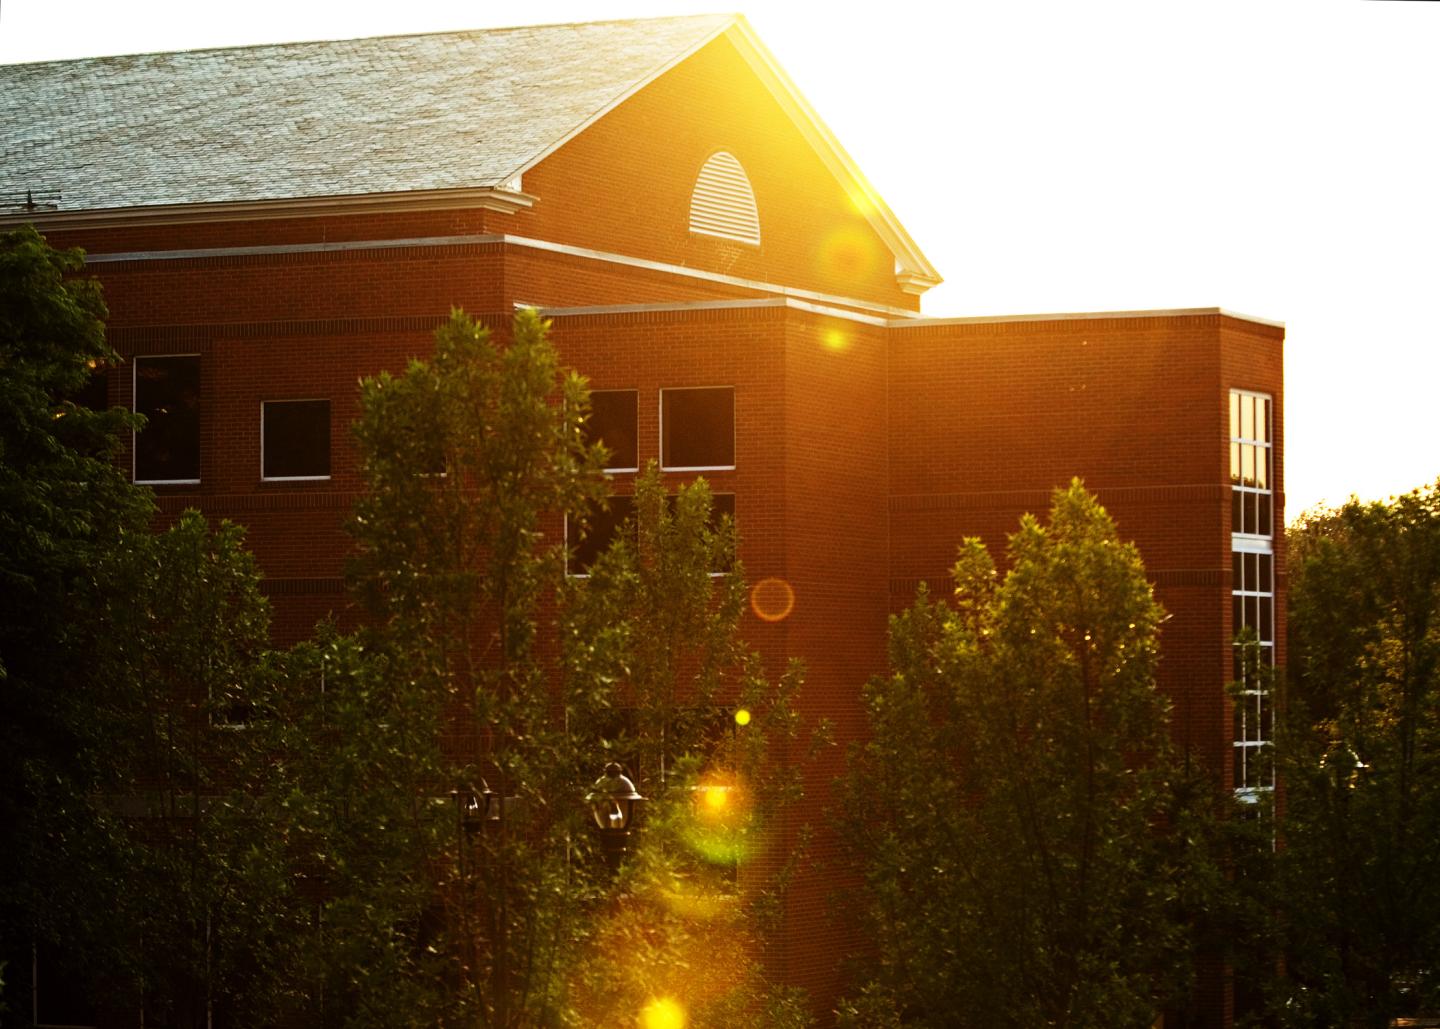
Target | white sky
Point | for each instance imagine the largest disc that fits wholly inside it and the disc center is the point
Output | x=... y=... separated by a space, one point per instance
x=1273 y=158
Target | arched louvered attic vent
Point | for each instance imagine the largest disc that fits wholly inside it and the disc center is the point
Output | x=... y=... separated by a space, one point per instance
x=723 y=203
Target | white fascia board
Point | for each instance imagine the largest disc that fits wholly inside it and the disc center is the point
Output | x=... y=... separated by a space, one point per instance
x=916 y=273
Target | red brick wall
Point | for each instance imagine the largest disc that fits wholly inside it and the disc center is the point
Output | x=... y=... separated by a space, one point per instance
x=836 y=430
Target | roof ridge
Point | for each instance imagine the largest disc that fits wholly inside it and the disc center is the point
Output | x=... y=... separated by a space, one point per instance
x=718 y=16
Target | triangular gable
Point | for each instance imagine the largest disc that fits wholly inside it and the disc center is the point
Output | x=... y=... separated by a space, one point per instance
x=913 y=270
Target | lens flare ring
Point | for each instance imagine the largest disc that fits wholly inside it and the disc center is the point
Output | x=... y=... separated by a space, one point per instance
x=772 y=600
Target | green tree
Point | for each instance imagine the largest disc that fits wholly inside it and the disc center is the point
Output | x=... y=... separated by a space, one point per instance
x=64 y=506
x=207 y=888
x=1358 y=876
x=653 y=635
x=132 y=841
x=484 y=667
x=1025 y=835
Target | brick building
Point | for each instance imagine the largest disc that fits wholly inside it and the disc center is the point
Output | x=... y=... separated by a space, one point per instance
x=271 y=223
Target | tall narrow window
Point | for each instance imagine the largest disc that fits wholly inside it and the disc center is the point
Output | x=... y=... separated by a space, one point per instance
x=723 y=204
x=1252 y=604
x=697 y=429
x=167 y=393
x=295 y=439
x=1251 y=492
x=1252 y=589
x=612 y=422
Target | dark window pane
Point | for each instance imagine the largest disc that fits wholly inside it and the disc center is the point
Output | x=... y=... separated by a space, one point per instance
x=296 y=439
x=1235 y=518
x=612 y=422
x=1267 y=581
x=1237 y=574
x=697 y=428
x=1267 y=620
x=1262 y=521
x=95 y=394
x=167 y=393
x=605 y=524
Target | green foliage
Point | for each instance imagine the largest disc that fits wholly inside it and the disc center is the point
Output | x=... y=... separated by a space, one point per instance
x=63 y=507
x=485 y=667
x=136 y=837
x=652 y=634
x=1358 y=875
x=1027 y=835
x=206 y=898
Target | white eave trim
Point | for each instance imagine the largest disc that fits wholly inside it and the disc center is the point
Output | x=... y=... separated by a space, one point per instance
x=1174 y=312
x=915 y=274
x=505 y=201
x=583 y=253
x=795 y=304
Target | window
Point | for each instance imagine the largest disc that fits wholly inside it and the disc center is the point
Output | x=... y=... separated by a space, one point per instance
x=1252 y=590
x=167 y=393
x=723 y=203
x=605 y=525
x=1252 y=602
x=295 y=439
x=1251 y=492
x=697 y=429
x=612 y=422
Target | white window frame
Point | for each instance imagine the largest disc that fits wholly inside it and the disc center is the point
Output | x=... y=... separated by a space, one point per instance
x=135 y=434
x=1264 y=450
x=695 y=468
x=292 y=478
x=1255 y=700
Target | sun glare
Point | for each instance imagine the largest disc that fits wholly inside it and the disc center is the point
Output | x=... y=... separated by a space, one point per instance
x=663 y=1013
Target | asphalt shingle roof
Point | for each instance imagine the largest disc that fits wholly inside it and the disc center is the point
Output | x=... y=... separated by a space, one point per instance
x=390 y=114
